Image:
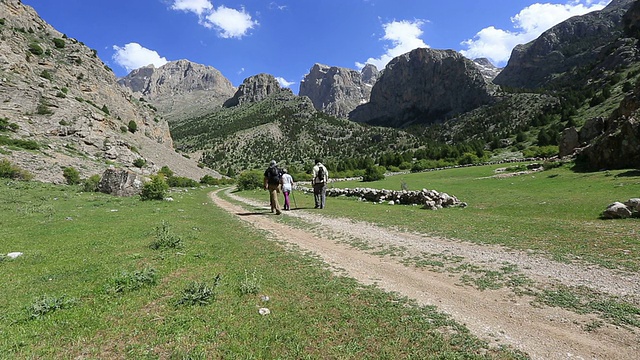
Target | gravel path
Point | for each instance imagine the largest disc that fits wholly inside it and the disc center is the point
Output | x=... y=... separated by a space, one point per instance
x=374 y=255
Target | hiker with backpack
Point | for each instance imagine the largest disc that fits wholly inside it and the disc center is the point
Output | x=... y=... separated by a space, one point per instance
x=287 y=186
x=319 y=181
x=272 y=183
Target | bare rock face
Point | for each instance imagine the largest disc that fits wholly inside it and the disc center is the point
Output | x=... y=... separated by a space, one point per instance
x=57 y=93
x=488 y=70
x=338 y=91
x=180 y=89
x=120 y=182
x=424 y=86
x=253 y=89
x=572 y=43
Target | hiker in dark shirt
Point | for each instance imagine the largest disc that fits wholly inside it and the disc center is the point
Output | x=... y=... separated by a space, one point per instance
x=319 y=181
x=272 y=183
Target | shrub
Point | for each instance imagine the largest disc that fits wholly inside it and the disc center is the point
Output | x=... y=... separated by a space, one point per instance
x=10 y=171
x=180 y=181
x=35 y=49
x=105 y=109
x=131 y=281
x=250 y=180
x=91 y=184
x=133 y=127
x=166 y=171
x=165 y=238
x=71 y=175
x=59 y=43
x=199 y=293
x=24 y=144
x=46 y=74
x=48 y=304
x=6 y=125
x=139 y=162
x=154 y=189
x=374 y=173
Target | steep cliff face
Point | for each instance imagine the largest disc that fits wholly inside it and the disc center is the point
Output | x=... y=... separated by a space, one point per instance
x=180 y=89
x=338 y=91
x=253 y=89
x=57 y=93
x=573 y=43
x=424 y=86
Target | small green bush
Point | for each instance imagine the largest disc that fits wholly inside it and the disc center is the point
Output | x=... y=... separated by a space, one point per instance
x=6 y=125
x=139 y=162
x=91 y=183
x=46 y=74
x=59 y=43
x=23 y=144
x=374 y=173
x=48 y=304
x=154 y=189
x=166 y=171
x=10 y=171
x=250 y=180
x=165 y=238
x=199 y=293
x=71 y=175
x=35 y=49
x=133 y=127
x=131 y=281
x=180 y=181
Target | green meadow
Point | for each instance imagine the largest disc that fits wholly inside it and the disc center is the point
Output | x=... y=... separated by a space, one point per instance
x=103 y=277
x=555 y=213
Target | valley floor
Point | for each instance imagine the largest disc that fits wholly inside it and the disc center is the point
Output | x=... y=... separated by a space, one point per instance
x=391 y=260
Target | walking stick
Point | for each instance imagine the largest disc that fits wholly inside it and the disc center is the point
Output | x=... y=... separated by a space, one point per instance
x=294 y=198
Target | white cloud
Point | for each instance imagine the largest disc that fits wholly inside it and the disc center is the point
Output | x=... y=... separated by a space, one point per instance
x=230 y=23
x=284 y=83
x=404 y=36
x=496 y=44
x=133 y=56
x=196 y=6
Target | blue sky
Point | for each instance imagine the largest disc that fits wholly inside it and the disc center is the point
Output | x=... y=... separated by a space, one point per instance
x=285 y=38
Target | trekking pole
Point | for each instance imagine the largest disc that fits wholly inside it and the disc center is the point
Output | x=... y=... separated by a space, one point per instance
x=294 y=198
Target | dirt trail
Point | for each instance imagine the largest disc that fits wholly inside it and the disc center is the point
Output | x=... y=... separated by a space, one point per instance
x=497 y=316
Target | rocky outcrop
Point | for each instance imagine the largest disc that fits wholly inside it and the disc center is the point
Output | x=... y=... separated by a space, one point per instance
x=337 y=91
x=486 y=67
x=573 y=43
x=62 y=97
x=424 y=86
x=180 y=89
x=618 y=210
x=253 y=89
x=120 y=182
x=618 y=147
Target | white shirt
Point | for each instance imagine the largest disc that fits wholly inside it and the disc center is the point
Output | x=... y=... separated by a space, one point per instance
x=287 y=182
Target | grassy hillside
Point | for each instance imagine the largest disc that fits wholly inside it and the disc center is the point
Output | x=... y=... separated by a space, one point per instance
x=107 y=277
x=282 y=127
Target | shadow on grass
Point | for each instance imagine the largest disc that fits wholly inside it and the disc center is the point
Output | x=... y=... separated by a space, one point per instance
x=630 y=173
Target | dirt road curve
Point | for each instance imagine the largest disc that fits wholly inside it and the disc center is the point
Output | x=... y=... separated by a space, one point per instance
x=498 y=316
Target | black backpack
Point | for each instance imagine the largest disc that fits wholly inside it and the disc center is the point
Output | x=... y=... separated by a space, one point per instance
x=273 y=175
x=320 y=175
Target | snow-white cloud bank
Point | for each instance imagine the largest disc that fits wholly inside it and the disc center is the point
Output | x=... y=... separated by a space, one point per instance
x=404 y=36
x=133 y=56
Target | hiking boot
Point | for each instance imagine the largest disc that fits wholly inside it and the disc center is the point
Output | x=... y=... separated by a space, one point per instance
x=278 y=212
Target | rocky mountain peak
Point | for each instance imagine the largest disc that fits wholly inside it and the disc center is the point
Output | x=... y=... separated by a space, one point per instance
x=180 y=89
x=253 y=89
x=337 y=90
x=424 y=86
x=487 y=68
x=573 y=43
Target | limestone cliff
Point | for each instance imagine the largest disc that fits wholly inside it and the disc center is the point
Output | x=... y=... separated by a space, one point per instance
x=337 y=91
x=180 y=89
x=424 y=86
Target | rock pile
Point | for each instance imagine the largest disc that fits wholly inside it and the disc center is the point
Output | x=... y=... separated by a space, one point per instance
x=429 y=199
x=618 y=210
